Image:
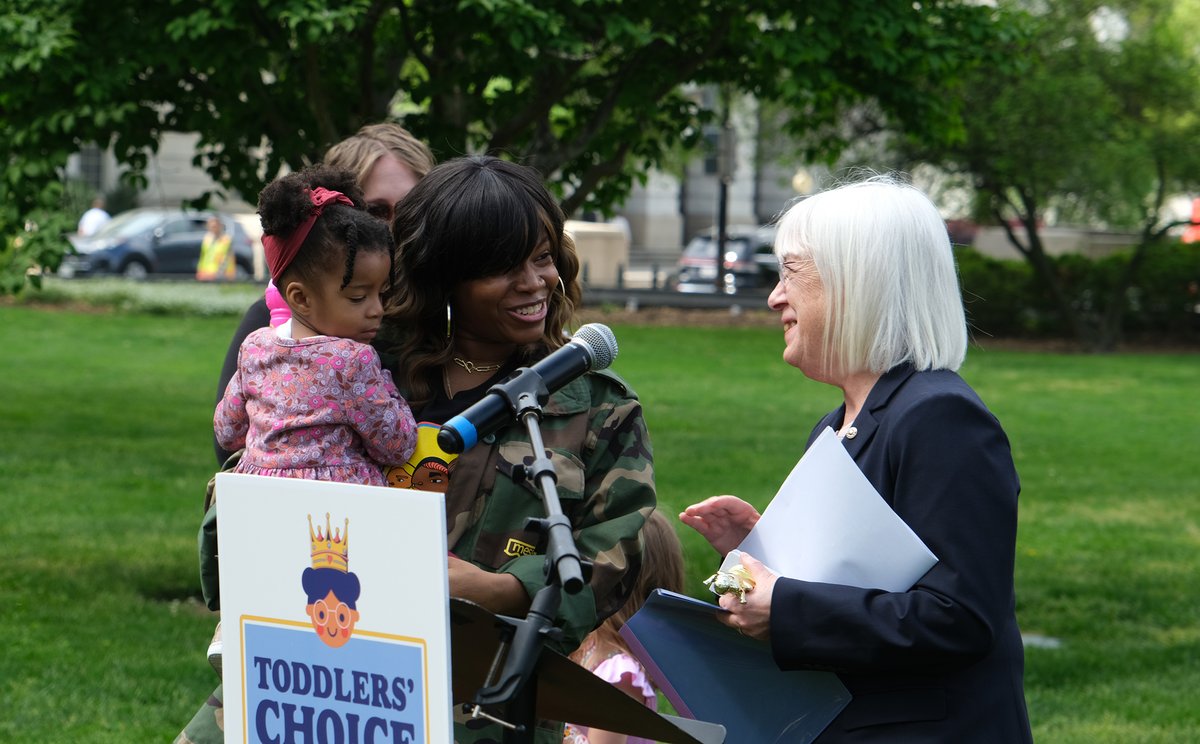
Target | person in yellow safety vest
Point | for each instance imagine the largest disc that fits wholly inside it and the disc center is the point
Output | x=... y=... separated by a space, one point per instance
x=216 y=254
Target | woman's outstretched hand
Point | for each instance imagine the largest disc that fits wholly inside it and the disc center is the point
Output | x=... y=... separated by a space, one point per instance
x=723 y=520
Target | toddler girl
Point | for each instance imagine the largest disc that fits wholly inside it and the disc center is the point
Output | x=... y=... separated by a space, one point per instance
x=309 y=399
x=605 y=653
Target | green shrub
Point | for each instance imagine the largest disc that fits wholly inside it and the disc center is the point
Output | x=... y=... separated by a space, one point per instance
x=1005 y=298
x=1165 y=295
x=184 y=297
x=1000 y=297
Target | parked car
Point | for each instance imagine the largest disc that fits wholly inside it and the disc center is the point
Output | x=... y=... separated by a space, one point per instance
x=749 y=262
x=152 y=240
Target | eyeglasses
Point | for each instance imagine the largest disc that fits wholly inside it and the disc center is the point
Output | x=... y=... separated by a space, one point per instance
x=788 y=270
x=341 y=613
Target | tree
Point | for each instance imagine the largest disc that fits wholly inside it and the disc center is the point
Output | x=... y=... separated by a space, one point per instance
x=1098 y=126
x=587 y=91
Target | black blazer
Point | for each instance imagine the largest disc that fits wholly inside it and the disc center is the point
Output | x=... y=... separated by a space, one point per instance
x=942 y=662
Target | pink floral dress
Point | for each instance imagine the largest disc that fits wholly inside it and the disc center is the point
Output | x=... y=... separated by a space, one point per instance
x=615 y=669
x=319 y=408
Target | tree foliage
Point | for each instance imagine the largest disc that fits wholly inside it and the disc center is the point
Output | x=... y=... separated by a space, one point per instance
x=1097 y=125
x=591 y=92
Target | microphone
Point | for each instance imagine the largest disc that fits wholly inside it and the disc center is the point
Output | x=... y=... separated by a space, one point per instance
x=593 y=347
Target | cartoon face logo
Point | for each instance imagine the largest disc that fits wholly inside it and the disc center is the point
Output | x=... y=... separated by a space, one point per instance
x=431 y=474
x=429 y=468
x=333 y=619
x=331 y=588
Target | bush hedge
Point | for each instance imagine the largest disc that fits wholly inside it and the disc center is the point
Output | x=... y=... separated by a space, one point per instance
x=1005 y=298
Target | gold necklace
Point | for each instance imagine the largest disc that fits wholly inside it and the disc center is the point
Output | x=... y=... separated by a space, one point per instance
x=473 y=368
x=470 y=367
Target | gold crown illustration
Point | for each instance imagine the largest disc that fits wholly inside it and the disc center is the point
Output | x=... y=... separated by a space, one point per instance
x=330 y=550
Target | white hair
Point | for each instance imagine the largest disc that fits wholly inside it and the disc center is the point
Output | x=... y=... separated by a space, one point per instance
x=891 y=288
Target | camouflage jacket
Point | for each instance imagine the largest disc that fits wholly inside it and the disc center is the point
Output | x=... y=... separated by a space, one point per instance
x=600 y=450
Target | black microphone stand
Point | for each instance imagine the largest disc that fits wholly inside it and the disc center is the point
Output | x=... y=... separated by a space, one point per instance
x=513 y=685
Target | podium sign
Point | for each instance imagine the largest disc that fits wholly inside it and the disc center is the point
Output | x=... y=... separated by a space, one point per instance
x=334 y=608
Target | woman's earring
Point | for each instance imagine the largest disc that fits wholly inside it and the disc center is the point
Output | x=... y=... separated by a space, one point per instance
x=562 y=286
x=449 y=318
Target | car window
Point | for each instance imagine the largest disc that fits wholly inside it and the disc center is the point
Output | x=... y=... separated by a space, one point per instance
x=700 y=247
x=735 y=247
x=740 y=246
x=183 y=226
x=765 y=254
x=706 y=247
x=765 y=257
x=128 y=223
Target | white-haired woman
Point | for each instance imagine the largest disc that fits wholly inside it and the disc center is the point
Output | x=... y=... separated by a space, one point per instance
x=870 y=303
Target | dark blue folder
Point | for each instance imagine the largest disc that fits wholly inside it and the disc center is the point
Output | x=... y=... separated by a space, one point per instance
x=709 y=671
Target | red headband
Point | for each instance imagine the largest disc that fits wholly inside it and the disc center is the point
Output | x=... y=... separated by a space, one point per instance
x=280 y=251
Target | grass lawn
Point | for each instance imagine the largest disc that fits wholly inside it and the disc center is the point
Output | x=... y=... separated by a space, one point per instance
x=105 y=448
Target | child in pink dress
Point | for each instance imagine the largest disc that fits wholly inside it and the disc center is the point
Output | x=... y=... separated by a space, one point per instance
x=606 y=654
x=309 y=399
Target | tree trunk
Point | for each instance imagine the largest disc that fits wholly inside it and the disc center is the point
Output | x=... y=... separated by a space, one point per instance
x=1035 y=253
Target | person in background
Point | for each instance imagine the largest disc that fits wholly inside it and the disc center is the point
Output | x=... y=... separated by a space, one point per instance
x=93 y=219
x=605 y=653
x=386 y=161
x=486 y=282
x=216 y=253
x=869 y=302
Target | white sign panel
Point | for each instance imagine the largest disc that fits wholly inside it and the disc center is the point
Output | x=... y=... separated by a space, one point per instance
x=335 y=612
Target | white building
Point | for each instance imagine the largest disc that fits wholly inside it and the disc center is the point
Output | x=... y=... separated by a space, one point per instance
x=668 y=210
